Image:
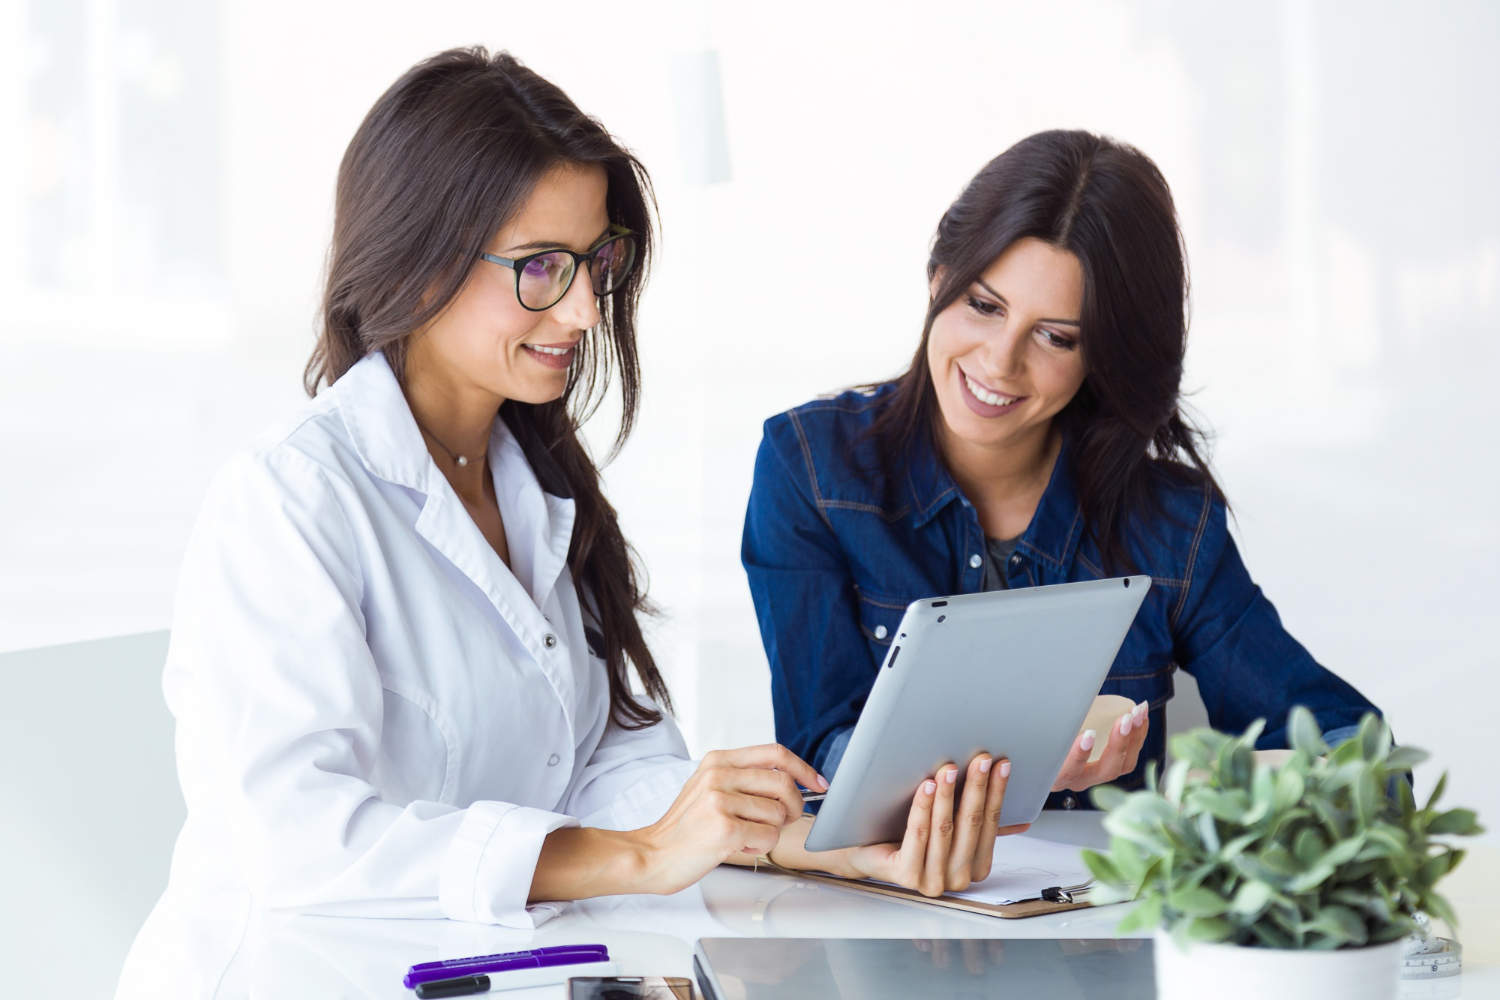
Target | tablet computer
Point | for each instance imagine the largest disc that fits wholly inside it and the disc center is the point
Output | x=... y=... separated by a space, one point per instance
x=1011 y=672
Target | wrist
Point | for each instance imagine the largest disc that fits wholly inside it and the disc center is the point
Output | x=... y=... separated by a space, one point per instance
x=633 y=854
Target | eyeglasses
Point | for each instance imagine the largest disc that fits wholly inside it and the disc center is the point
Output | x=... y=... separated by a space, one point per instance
x=543 y=278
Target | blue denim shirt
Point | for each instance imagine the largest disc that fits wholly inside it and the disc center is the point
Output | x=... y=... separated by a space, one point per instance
x=835 y=553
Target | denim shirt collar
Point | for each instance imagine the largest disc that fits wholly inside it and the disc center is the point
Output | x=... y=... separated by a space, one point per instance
x=1056 y=528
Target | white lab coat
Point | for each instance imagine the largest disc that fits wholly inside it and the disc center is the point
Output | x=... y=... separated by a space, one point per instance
x=375 y=716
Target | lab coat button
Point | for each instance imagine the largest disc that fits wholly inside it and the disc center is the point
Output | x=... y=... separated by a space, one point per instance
x=880 y=632
x=975 y=561
x=552 y=760
x=1069 y=802
x=550 y=640
x=1015 y=560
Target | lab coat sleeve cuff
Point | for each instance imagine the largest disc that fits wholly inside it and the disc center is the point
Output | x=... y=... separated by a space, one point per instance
x=487 y=870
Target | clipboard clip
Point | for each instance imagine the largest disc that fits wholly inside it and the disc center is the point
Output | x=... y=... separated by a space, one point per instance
x=1065 y=893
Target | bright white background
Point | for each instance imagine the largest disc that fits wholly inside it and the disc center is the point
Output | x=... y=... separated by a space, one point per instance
x=164 y=214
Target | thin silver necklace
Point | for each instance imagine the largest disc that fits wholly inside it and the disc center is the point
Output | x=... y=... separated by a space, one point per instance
x=458 y=460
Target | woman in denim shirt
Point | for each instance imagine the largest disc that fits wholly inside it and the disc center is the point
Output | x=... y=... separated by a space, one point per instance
x=1036 y=438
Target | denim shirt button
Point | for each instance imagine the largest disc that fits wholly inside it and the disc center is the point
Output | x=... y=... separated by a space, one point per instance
x=880 y=632
x=976 y=561
x=1015 y=560
x=1069 y=802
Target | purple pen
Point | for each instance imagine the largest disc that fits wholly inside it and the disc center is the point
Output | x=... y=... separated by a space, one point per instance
x=475 y=965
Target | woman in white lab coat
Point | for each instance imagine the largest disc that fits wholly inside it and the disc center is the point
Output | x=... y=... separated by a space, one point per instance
x=401 y=653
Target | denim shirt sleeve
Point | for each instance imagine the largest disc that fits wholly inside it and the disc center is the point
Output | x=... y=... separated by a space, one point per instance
x=804 y=600
x=1230 y=638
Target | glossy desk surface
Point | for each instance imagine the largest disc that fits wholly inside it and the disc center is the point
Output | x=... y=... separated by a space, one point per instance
x=290 y=957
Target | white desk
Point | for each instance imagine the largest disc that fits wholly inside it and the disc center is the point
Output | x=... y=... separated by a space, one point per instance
x=294 y=957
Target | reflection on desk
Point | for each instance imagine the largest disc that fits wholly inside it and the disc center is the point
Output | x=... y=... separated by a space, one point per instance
x=288 y=957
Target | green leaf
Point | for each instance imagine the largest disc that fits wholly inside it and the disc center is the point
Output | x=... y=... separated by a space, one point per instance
x=1251 y=898
x=1209 y=831
x=1437 y=790
x=1374 y=737
x=1199 y=747
x=1289 y=787
x=1235 y=847
x=1367 y=795
x=1271 y=936
x=1338 y=923
x=1209 y=929
x=1262 y=794
x=1102 y=868
x=1107 y=797
x=1197 y=902
x=1306 y=735
x=1464 y=822
x=1439 y=907
x=1311 y=878
x=1145 y=916
x=1405 y=758
x=1344 y=850
x=1175 y=781
x=1309 y=846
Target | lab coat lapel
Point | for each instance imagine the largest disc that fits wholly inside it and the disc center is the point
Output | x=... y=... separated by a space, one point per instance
x=538 y=526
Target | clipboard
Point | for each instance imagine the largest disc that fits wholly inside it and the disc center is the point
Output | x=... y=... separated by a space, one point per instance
x=1049 y=900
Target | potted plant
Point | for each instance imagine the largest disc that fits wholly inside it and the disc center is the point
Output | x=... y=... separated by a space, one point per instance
x=1289 y=879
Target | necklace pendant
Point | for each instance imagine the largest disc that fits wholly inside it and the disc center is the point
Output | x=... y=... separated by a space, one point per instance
x=462 y=461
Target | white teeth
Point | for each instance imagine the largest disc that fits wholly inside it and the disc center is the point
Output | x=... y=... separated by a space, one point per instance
x=985 y=396
x=549 y=350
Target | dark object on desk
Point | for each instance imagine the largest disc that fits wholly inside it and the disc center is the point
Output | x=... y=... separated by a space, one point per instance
x=630 y=988
x=877 y=969
x=461 y=987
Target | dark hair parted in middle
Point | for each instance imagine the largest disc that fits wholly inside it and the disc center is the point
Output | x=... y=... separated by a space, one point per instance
x=1108 y=205
x=446 y=156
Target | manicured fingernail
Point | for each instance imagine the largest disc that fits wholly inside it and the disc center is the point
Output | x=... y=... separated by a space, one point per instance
x=1005 y=769
x=928 y=787
x=1086 y=741
x=984 y=765
x=824 y=782
x=950 y=775
x=1125 y=725
x=1139 y=711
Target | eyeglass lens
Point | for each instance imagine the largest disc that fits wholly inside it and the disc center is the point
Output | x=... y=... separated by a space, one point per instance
x=545 y=279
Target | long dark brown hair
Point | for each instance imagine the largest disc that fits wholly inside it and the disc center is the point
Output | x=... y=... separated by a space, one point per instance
x=445 y=157
x=1108 y=205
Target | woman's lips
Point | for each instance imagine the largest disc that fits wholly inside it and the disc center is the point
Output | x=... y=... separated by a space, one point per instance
x=551 y=355
x=983 y=408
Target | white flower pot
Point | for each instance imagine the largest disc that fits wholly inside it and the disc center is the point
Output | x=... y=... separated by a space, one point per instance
x=1234 y=972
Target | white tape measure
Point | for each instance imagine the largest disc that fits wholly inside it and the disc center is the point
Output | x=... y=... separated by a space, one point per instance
x=1438 y=958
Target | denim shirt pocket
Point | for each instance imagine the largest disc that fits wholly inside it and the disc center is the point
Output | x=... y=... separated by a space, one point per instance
x=879 y=617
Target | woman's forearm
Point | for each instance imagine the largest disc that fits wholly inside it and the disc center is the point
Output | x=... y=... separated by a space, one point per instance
x=790 y=852
x=581 y=862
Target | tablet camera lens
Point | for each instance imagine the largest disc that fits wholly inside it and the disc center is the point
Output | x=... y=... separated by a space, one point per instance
x=942 y=618
x=1127 y=583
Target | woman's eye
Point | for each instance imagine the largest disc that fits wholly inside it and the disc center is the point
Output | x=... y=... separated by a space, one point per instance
x=1058 y=340
x=983 y=307
x=537 y=268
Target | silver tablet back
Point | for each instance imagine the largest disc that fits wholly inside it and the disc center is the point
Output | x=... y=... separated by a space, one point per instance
x=1011 y=672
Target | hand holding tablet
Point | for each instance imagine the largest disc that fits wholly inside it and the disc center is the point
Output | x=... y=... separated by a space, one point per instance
x=1005 y=673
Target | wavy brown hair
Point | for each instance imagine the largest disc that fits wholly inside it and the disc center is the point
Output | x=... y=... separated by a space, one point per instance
x=1108 y=205
x=445 y=157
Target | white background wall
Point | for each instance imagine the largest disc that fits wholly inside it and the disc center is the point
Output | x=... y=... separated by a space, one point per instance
x=165 y=211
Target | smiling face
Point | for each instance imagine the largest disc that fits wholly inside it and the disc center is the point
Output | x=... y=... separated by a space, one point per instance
x=485 y=342
x=1006 y=355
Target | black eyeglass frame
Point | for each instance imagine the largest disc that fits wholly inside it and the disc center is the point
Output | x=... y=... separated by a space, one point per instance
x=518 y=264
